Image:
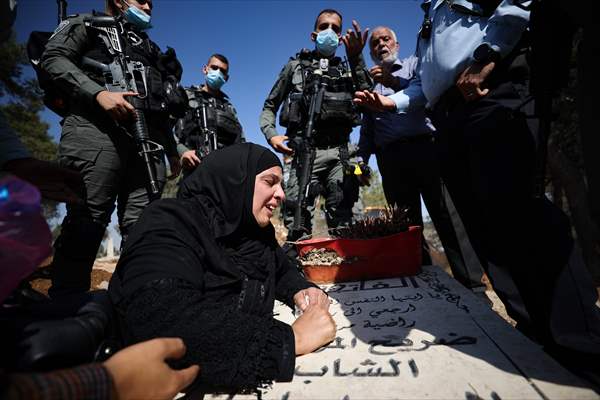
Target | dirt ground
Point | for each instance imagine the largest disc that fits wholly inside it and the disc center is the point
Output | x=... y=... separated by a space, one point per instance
x=103 y=269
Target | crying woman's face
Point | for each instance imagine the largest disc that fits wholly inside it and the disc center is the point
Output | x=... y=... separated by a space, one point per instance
x=268 y=195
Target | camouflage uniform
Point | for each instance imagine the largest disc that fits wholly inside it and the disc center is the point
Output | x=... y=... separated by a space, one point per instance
x=331 y=140
x=223 y=119
x=93 y=144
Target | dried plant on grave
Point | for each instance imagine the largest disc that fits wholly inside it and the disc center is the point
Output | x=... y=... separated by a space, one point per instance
x=324 y=257
x=391 y=220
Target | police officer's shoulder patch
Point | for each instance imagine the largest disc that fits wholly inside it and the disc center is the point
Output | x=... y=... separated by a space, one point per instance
x=61 y=27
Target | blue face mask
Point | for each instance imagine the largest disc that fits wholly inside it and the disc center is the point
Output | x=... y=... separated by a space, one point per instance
x=137 y=17
x=215 y=79
x=327 y=42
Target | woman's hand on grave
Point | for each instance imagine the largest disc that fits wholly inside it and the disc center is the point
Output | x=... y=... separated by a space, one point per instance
x=311 y=296
x=314 y=328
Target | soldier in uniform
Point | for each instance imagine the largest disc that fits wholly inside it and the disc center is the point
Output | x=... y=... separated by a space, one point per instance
x=221 y=116
x=332 y=129
x=96 y=139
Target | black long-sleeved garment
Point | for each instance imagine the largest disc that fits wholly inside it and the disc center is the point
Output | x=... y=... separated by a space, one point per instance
x=199 y=267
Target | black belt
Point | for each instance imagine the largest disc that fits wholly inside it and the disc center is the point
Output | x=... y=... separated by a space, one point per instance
x=447 y=102
x=327 y=141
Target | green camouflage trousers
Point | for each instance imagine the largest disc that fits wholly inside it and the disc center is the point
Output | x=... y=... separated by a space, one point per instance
x=339 y=190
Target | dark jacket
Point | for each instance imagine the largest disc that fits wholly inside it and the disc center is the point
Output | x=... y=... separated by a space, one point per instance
x=199 y=267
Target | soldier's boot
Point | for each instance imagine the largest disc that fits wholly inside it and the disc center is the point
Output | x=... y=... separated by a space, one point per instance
x=338 y=204
x=74 y=254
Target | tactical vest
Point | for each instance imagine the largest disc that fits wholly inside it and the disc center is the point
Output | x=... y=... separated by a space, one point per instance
x=337 y=112
x=163 y=71
x=220 y=116
x=137 y=47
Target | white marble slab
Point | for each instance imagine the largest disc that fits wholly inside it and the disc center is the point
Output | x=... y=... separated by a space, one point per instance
x=422 y=337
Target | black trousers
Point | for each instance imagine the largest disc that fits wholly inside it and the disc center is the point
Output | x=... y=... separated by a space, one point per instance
x=410 y=169
x=587 y=91
x=488 y=156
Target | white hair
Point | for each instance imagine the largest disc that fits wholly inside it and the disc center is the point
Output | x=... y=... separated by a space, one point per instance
x=390 y=30
x=392 y=57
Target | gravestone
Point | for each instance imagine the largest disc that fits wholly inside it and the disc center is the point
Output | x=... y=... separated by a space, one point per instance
x=421 y=337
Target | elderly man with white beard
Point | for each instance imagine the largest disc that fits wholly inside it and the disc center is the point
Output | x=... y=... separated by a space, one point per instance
x=404 y=147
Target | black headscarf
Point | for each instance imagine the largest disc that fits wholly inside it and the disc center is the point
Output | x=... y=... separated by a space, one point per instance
x=208 y=236
x=224 y=185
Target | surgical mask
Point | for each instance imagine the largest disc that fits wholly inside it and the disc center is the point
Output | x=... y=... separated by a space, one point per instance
x=137 y=17
x=215 y=79
x=327 y=42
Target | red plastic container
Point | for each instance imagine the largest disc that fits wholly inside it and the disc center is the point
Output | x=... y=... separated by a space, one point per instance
x=386 y=257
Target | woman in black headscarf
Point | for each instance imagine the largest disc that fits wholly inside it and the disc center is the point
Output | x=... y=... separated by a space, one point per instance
x=206 y=267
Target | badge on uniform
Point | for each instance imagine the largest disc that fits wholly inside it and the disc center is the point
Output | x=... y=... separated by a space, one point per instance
x=63 y=24
x=324 y=64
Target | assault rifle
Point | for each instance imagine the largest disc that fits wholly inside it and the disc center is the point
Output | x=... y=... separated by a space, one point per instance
x=304 y=149
x=125 y=75
x=208 y=134
x=62 y=10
